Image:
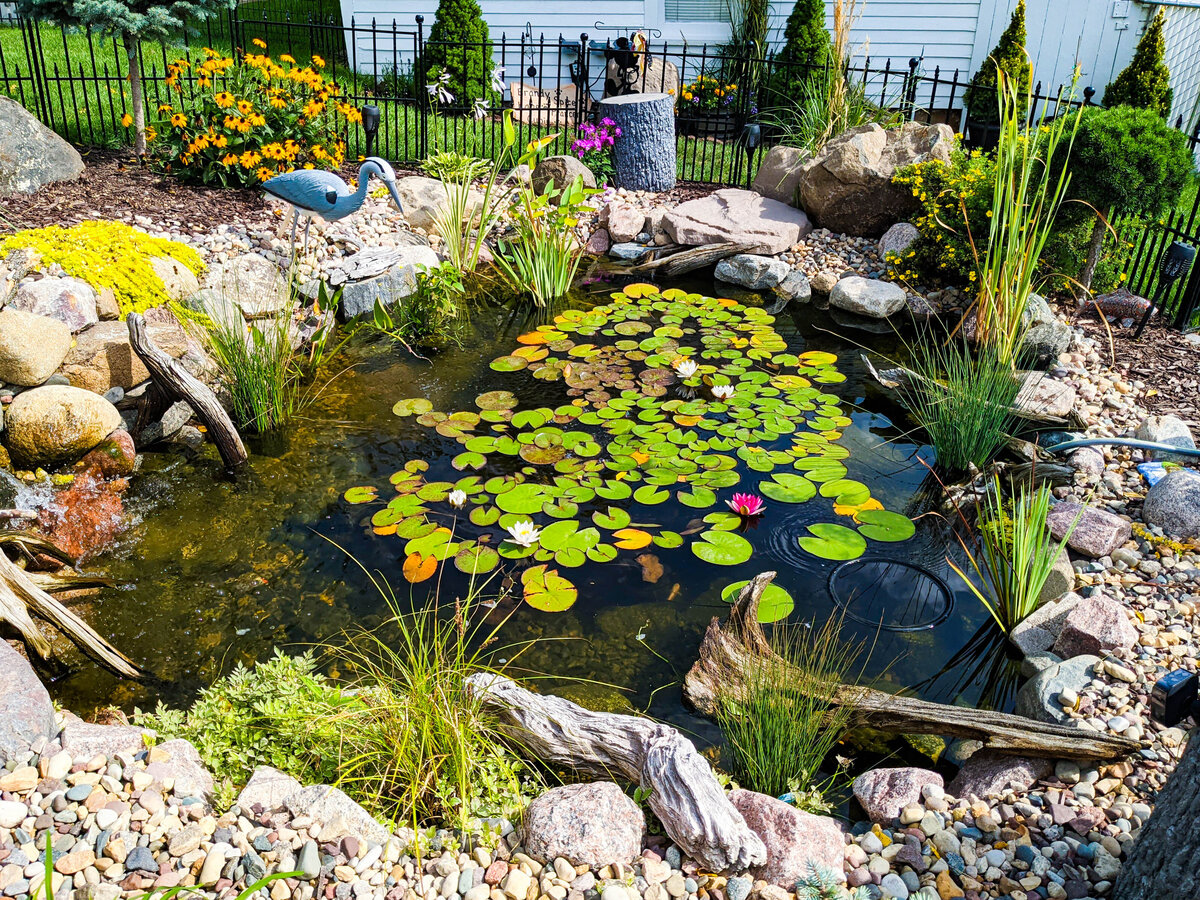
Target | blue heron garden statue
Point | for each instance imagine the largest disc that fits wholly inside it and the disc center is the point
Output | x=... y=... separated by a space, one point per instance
x=316 y=192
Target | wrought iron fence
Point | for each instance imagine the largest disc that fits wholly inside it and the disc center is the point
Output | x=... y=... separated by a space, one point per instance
x=77 y=84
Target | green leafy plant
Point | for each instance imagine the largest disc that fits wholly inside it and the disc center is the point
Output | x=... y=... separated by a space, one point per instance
x=1146 y=82
x=985 y=94
x=955 y=199
x=459 y=47
x=541 y=261
x=820 y=883
x=1124 y=161
x=962 y=399
x=785 y=721
x=1016 y=553
x=450 y=165
x=131 y=21
x=433 y=313
x=806 y=40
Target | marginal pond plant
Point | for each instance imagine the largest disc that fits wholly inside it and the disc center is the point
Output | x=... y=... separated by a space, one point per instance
x=551 y=488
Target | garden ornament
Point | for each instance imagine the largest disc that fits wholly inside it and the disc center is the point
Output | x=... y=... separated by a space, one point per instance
x=315 y=192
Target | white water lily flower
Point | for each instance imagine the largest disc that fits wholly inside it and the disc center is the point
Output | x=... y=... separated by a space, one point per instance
x=480 y=109
x=498 y=79
x=457 y=498
x=722 y=391
x=686 y=368
x=524 y=533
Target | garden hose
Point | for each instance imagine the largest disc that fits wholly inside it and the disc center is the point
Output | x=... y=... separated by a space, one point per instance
x=1123 y=442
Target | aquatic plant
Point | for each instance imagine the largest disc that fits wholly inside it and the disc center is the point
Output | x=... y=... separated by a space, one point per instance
x=107 y=255
x=632 y=433
x=962 y=398
x=433 y=313
x=747 y=505
x=1017 y=553
x=783 y=723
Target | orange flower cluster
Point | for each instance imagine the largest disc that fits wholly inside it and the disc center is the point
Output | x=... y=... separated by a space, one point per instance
x=241 y=122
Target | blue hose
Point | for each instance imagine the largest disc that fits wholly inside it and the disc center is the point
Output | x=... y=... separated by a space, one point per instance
x=1124 y=442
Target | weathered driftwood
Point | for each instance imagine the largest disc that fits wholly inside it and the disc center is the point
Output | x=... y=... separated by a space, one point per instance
x=684 y=793
x=729 y=650
x=178 y=383
x=690 y=260
x=20 y=595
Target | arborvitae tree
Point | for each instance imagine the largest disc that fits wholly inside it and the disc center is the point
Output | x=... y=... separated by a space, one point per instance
x=806 y=42
x=459 y=45
x=132 y=21
x=1146 y=81
x=1009 y=54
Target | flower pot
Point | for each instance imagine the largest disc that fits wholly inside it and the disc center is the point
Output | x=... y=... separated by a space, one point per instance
x=710 y=123
x=983 y=135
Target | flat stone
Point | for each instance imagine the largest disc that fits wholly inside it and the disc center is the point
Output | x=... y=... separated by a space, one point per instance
x=103 y=358
x=268 y=788
x=795 y=840
x=589 y=824
x=26 y=713
x=752 y=272
x=883 y=793
x=1041 y=395
x=868 y=297
x=629 y=251
x=85 y=741
x=1097 y=532
x=398 y=282
x=1096 y=626
x=332 y=808
x=766 y=226
x=32 y=346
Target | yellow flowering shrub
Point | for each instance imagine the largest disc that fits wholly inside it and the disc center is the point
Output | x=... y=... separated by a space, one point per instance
x=240 y=122
x=954 y=204
x=107 y=255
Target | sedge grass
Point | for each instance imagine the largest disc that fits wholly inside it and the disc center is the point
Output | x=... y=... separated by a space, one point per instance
x=784 y=722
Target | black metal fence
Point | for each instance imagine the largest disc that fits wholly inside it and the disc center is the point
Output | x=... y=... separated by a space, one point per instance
x=77 y=84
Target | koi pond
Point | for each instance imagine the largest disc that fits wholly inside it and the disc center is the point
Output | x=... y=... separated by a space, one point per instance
x=577 y=466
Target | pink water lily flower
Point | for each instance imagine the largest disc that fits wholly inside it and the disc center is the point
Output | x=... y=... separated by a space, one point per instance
x=748 y=505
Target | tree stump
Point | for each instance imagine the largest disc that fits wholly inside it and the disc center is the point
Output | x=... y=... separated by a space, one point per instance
x=1162 y=862
x=644 y=154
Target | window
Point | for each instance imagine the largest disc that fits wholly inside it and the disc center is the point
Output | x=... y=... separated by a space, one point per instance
x=696 y=10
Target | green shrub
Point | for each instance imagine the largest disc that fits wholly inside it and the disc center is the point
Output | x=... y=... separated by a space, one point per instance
x=459 y=46
x=1146 y=82
x=954 y=200
x=450 y=165
x=806 y=40
x=982 y=97
x=1125 y=161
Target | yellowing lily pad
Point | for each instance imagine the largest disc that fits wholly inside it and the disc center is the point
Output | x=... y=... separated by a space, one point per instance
x=547 y=591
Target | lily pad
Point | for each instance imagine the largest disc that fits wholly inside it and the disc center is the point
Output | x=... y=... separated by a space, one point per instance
x=698 y=498
x=414 y=406
x=831 y=541
x=363 y=494
x=723 y=548
x=476 y=559
x=882 y=525
x=547 y=591
x=495 y=400
x=775 y=604
x=509 y=363
x=649 y=495
x=786 y=487
x=613 y=520
x=418 y=568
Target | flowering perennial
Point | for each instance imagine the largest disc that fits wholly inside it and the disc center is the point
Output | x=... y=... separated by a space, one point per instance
x=708 y=93
x=594 y=148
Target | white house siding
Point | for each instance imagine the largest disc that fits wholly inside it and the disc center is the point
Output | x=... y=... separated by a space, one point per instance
x=1183 y=59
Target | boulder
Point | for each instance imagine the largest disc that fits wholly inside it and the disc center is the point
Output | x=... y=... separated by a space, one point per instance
x=422 y=199
x=1166 y=429
x=562 y=170
x=1097 y=533
x=1041 y=395
x=795 y=840
x=778 y=175
x=103 y=358
x=1087 y=461
x=1096 y=626
x=587 y=824
x=49 y=425
x=1040 y=629
x=336 y=813
x=794 y=288
x=988 y=774
x=267 y=789
x=252 y=282
x=883 y=793
x=898 y=239
x=598 y=243
x=31 y=155
x=113 y=457
x=752 y=272
x=26 y=713
x=1060 y=580
x=767 y=226
x=1173 y=504
x=847 y=187
x=1044 y=343
x=179 y=761
x=31 y=347
x=84 y=518
x=1038 y=697
x=868 y=297
x=623 y=221
x=71 y=301
x=85 y=740
x=398 y=282
x=179 y=282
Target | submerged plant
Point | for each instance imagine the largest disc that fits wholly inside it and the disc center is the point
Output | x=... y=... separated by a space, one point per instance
x=786 y=719
x=1017 y=553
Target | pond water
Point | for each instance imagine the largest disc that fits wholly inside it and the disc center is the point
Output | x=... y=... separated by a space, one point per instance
x=215 y=572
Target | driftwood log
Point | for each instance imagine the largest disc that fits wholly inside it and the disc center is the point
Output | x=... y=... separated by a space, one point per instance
x=20 y=595
x=179 y=384
x=644 y=157
x=690 y=260
x=684 y=793
x=730 y=649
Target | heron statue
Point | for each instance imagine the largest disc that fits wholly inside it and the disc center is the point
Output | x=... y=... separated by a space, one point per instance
x=315 y=192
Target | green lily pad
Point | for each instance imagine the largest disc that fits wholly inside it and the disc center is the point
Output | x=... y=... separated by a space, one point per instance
x=414 y=406
x=476 y=559
x=602 y=553
x=786 y=487
x=484 y=516
x=698 y=498
x=836 y=542
x=524 y=499
x=724 y=521
x=723 y=548
x=361 y=494
x=495 y=400
x=547 y=591
x=668 y=540
x=469 y=460
x=509 y=363
x=775 y=604
x=846 y=491
x=614 y=520
x=649 y=495
x=883 y=525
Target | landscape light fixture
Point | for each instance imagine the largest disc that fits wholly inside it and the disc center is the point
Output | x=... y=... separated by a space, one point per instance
x=370 y=124
x=1175 y=264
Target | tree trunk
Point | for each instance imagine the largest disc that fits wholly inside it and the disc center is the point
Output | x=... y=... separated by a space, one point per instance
x=644 y=154
x=731 y=649
x=1162 y=862
x=684 y=793
x=1095 y=248
x=136 y=100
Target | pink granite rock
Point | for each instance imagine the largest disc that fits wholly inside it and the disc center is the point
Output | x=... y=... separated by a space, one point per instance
x=1098 y=532
x=591 y=824
x=1095 y=626
x=883 y=793
x=793 y=837
x=989 y=775
x=624 y=222
x=598 y=243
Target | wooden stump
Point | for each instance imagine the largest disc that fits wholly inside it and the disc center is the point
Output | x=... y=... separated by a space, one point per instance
x=644 y=154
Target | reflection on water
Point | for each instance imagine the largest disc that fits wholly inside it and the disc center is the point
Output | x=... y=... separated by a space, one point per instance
x=214 y=572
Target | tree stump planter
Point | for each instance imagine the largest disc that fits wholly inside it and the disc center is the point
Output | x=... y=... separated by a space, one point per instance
x=644 y=154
